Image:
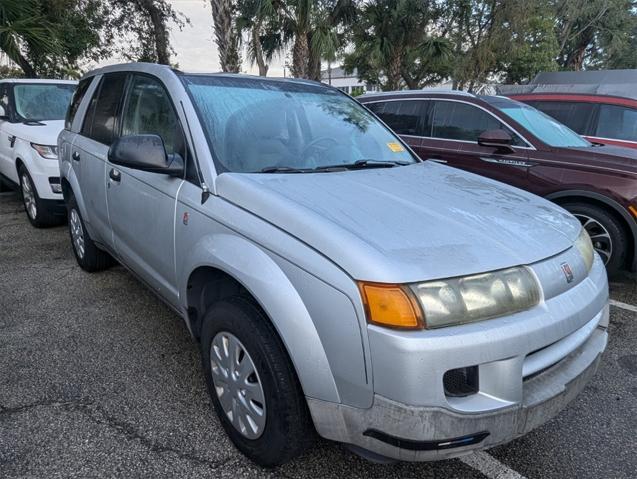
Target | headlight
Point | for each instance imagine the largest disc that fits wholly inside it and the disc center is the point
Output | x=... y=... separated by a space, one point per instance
x=584 y=245
x=45 y=151
x=478 y=297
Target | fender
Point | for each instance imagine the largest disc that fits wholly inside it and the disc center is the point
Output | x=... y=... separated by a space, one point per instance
x=268 y=284
x=614 y=205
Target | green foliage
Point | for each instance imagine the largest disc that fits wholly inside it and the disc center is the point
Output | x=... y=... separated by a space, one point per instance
x=392 y=46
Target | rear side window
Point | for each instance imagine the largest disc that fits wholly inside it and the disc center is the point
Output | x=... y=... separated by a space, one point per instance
x=78 y=95
x=577 y=116
x=460 y=121
x=617 y=122
x=101 y=117
x=404 y=116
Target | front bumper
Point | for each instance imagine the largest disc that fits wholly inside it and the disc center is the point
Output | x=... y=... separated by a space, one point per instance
x=544 y=396
x=530 y=366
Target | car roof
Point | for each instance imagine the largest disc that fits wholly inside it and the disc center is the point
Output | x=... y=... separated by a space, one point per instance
x=38 y=80
x=154 y=68
x=416 y=93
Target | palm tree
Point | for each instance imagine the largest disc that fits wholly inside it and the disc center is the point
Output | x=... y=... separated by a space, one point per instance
x=259 y=20
x=226 y=34
x=313 y=27
x=22 y=26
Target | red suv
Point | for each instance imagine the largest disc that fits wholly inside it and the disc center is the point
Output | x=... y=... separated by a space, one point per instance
x=514 y=143
x=604 y=119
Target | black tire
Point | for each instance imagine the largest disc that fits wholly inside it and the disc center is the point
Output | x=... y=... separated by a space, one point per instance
x=615 y=258
x=288 y=429
x=37 y=212
x=92 y=258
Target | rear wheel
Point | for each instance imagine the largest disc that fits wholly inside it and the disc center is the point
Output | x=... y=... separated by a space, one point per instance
x=252 y=383
x=36 y=210
x=88 y=255
x=606 y=231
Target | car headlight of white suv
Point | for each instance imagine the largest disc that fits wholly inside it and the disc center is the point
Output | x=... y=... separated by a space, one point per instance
x=46 y=151
x=584 y=245
x=478 y=297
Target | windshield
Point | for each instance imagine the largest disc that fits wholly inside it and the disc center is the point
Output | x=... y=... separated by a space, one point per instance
x=255 y=124
x=545 y=128
x=42 y=101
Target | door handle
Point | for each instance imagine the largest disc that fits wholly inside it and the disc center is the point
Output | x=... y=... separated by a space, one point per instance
x=115 y=175
x=76 y=155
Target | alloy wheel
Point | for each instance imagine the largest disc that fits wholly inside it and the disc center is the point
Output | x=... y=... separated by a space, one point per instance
x=28 y=196
x=77 y=233
x=602 y=242
x=237 y=385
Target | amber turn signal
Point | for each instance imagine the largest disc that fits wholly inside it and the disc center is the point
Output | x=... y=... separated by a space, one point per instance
x=391 y=305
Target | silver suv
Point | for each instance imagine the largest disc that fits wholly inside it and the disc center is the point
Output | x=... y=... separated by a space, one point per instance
x=335 y=282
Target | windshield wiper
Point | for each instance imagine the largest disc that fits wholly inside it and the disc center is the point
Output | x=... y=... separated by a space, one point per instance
x=361 y=164
x=283 y=169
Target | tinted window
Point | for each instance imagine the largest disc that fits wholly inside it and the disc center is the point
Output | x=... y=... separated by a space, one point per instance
x=617 y=122
x=101 y=117
x=459 y=121
x=572 y=114
x=252 y=124
x=4 y=98
x=76 y=100
x=149 y=111
x=404 y=116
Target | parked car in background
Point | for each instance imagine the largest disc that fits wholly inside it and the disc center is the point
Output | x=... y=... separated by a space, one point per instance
x=31 y=117
x=514 y=143
x=600 y=105
x=334 y=281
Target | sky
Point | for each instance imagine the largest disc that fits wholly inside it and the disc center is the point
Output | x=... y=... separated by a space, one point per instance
x=195 y=49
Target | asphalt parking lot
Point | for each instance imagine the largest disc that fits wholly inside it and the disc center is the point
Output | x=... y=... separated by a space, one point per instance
x=99 y=378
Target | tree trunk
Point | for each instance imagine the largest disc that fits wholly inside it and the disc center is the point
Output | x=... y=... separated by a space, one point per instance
x=160 y=32
x=300 y=56
x=575 y=58
x=226 y=36
x=393 y=72
x=24 y=64
x=258 y=50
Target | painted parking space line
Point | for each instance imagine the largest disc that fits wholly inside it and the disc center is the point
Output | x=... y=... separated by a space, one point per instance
x=626 y=306
x=490 y=466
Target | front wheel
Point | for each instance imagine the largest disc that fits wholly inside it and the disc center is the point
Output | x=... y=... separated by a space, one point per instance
x=37 y=212
x=252 y=383
x=607 y=234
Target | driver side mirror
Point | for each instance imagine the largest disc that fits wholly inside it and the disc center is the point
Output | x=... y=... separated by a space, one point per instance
x=496 y=139
x=145 y=153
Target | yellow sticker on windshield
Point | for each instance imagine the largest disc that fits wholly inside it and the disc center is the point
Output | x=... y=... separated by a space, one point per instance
x=395 y=147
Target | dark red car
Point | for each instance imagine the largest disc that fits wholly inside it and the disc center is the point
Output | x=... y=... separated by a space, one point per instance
x=514 y=143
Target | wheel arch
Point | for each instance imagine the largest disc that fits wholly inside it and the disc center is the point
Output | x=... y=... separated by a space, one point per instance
x=227 y=264
x=597 y=199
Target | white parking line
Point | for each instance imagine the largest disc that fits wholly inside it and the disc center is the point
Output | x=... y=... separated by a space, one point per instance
x=619 y=304
x=490 y=466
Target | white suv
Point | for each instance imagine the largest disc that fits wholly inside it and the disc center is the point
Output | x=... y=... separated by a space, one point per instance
x=31 y=117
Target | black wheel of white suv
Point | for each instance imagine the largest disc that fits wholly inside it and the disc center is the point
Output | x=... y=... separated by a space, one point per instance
x=252 y=383
x=88 y=255
x=607 y=233
x=37 y=212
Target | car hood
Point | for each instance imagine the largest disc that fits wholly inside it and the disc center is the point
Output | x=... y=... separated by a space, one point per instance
x=43 y=133
x=407 y=224
x=611 y=156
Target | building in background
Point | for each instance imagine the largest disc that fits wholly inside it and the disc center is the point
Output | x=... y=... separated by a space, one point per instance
x=347 y=82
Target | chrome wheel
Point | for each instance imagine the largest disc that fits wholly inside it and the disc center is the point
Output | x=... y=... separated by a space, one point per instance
x=237 y=385
x=28 y=196
x=77 y=233
x=602 y=242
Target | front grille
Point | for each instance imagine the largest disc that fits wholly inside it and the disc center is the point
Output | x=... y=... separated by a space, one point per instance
x=461 y=382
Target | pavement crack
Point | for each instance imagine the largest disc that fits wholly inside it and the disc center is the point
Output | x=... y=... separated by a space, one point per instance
x=99 y=416
x=73 y=405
